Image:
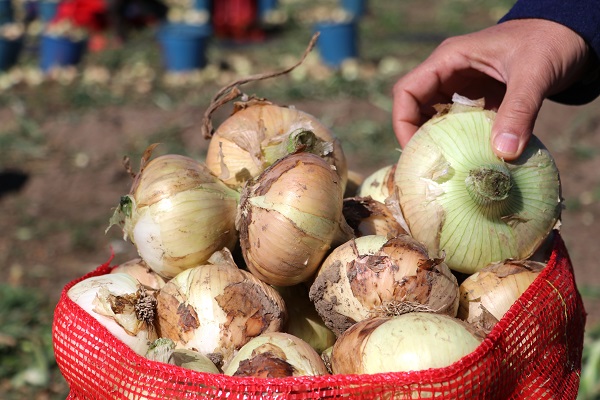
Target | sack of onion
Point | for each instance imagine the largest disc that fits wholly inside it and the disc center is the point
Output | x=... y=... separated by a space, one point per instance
x=384 y=287
x=532 y=351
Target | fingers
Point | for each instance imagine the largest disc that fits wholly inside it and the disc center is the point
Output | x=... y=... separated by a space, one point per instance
x=515 y=119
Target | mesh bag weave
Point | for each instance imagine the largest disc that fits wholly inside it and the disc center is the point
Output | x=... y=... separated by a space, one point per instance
x=534 y=352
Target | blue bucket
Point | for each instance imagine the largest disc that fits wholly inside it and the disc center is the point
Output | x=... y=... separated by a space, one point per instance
x=184 y=46
x=337 y=42
x=266 y=6
x=356 y=8
x=58 y=51
x=6 y=11
x=202 y=5
x=47 y=10
x=9 y=52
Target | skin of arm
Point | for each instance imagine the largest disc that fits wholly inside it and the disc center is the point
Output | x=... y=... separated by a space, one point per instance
x=514 y=65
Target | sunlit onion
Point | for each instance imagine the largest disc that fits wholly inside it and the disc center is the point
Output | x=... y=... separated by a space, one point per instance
x=460 y=199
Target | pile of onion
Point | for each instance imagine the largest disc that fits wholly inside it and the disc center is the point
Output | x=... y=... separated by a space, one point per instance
x=461 y=200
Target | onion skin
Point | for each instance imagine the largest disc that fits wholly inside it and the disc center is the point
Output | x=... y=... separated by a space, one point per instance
x=379 y=185
x=460 y=199
x=239 y=149
x=217 y=308
x=138 y=269
x=290 y=217
x=367 y=216
x=487 y=295
x=178 y=214
x=409 y=342
x=376 y=276
x=88 y=294
x=276 y=355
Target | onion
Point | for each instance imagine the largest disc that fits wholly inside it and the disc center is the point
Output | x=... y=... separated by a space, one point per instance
x=120 y=304
x=409 y=342
x=487 y=295
x=371 y=217
x=276 y=355
x=259 y=133
x=163 y=350
x=459 y=198
x=305 y=323
x=290 y=217
x=177 y=214
x=379 y=185
x=376 y=276
x=138 y=269
x=216 y=308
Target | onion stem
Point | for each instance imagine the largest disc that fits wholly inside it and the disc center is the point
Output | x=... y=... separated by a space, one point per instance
x=489 y=184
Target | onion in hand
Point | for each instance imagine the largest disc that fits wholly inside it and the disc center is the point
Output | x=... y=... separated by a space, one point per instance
x=460 y=199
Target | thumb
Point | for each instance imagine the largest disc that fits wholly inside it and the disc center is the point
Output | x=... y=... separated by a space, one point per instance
x=515 y=119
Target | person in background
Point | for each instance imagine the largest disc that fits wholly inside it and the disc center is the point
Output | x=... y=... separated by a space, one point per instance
x=540 y=49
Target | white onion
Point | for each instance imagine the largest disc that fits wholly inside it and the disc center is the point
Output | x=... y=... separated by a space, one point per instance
x=97 y=295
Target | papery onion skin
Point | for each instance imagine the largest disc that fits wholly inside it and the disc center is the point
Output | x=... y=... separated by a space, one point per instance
x=376 y=276
x=441 y=175
x=378 y=185
x=410 y=342
x=239 y=148
x=489 y=293
x=217 y=308
x=178 y=214
x=367 y=216
x=138 y=269
x=85 y=294
x=290 y=217
x=276 y=355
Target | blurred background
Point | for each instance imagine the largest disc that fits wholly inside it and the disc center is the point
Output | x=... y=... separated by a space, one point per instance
x=85 y=83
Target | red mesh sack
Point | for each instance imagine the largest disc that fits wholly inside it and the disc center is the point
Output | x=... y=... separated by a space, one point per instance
x=534 y=352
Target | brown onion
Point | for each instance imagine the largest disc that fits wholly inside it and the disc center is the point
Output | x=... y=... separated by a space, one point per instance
x=276 y=355
x=216 y=308
x=487 y=295
x=258 y=134
x=376 y=276
x=409 y=342
x=290 y=217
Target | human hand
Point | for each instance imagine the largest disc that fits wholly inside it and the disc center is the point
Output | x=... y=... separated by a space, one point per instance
x=514 y=65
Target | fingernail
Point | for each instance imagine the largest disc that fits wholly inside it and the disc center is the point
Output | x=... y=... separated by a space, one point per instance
x=507 y=143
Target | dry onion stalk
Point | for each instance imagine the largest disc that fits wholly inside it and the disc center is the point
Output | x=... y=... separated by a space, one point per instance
x=276 y=355
x=459 y=198
x=216 y=308
x=289 y=218
x=487 y=295
x=375 y=276
x=409 y=342
x=177 y=214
